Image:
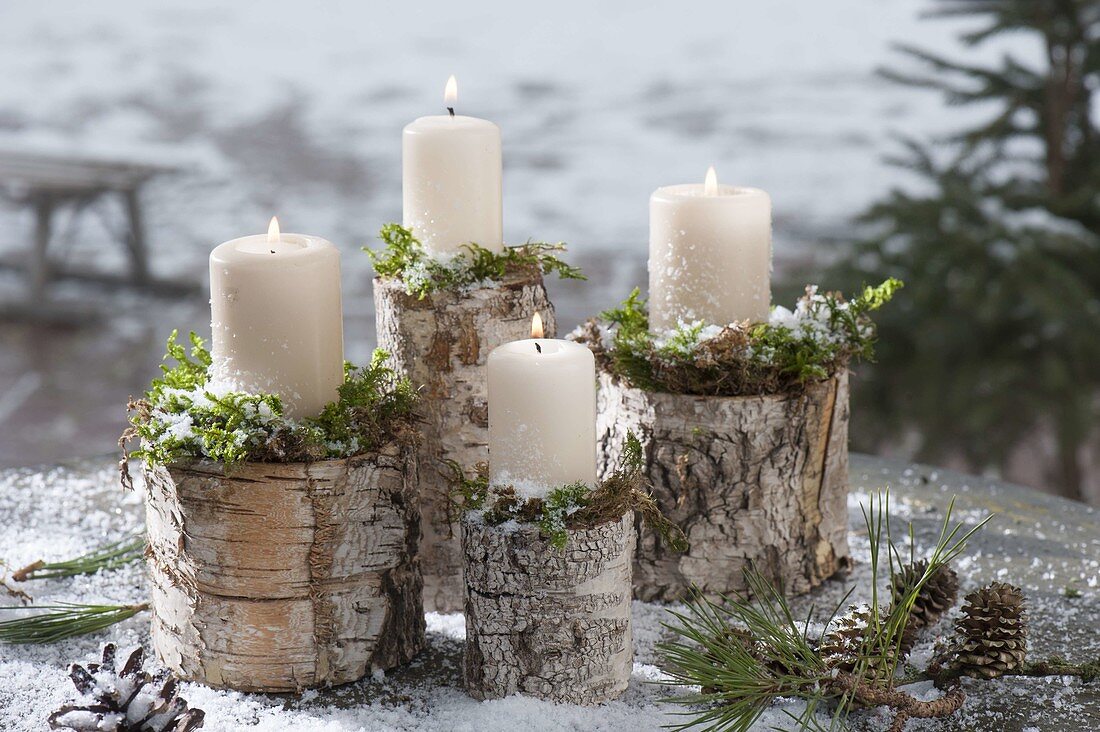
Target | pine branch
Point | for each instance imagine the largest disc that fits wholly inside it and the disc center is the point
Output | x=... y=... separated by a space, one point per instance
x=1058 y=666
x=63 y=620
x=944 y=676
x=746 y=655
x=906 y=707
x=110 y=556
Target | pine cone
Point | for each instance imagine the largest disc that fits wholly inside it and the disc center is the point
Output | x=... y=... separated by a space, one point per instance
x=843 y=646
x=992 y=632
x=130 y=700
x=935 y=598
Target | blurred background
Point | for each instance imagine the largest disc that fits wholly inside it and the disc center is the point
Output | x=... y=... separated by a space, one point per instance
x=951 y=143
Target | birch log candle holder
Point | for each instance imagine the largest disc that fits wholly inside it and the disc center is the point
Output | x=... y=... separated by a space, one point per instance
x=276 y=577
x=548 y=583
x=544 y=621
x=744 y=434
x=751 y=480
x=283 y=552
x=439 y=322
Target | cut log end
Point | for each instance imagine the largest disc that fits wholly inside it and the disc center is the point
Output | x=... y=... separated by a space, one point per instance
x=441 y=344
x=752 y=481
x=282 y=577
x=545 y=622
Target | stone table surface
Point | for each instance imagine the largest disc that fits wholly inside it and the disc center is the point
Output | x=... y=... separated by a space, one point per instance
x=1047 y=545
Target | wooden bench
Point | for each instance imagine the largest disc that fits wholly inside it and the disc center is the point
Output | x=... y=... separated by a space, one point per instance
x=50 y=183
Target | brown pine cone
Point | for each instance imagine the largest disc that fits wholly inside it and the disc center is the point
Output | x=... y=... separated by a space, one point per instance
x=848 y=642
x=992 y=632
x=935 y=598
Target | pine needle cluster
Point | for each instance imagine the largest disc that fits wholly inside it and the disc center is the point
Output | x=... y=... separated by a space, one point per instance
x=50 y=623
x=571 y=507
x=811 y=343
x=107 y=557
x=185 y=416
x=404 y=258
x=54 y=622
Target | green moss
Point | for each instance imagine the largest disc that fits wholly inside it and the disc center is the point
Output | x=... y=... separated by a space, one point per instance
x=182 y=416
x=570 y=507
x=404 y=258
x=821 y=336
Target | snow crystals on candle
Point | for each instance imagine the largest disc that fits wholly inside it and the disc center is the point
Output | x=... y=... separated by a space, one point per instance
x=276 y=318
x=451 y=180
x=542 y=414
x=709 y=253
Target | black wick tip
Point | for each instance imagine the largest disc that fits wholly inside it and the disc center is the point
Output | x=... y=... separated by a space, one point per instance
x=451 y=110
x=538 y=348
x=272 y=251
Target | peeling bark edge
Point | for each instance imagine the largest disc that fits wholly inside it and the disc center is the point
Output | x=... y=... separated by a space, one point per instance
x=441 y=344
x=759 y=480
x=550 y=623
x=284 y=576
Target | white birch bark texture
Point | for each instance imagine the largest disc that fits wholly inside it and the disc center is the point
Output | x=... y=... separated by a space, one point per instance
x=545 y=622
x=441 y=344
x=759 y=480
x=284 y=576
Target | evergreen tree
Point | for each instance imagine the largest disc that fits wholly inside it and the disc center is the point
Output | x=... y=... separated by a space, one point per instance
x=996 y=337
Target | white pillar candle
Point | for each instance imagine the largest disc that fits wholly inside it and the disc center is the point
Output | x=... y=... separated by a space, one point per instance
x=709 y=254
x=451 y=181
x=276 y=318
x=542 y=414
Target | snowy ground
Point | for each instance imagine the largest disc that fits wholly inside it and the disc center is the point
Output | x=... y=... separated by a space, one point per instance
x=296 y=109
x=1041 y=543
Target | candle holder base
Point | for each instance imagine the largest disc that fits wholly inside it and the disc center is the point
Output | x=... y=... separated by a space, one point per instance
x=759 y=480
x=441 y=342
x=278 y=577
x=546 y=622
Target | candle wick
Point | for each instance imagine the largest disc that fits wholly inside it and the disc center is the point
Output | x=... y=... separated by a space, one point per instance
x=272 y=251
x=451 y=110
x=538 y=348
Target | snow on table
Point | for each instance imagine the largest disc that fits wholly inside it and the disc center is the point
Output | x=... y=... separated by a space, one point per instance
x=1045 y=544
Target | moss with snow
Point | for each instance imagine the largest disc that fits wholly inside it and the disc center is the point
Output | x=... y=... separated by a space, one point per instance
x=812 y=342
x=405 y=258
x=185 y=415
x=570 y=507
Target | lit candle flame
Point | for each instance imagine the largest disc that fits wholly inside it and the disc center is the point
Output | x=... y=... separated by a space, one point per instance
x=450 y=92
x=273 y=235
x=710 y=186
x=536 y=326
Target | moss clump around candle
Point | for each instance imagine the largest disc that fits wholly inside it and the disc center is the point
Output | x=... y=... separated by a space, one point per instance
x=815 y=340
x=406 y=259
x=570 y=507
x=186 y=416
